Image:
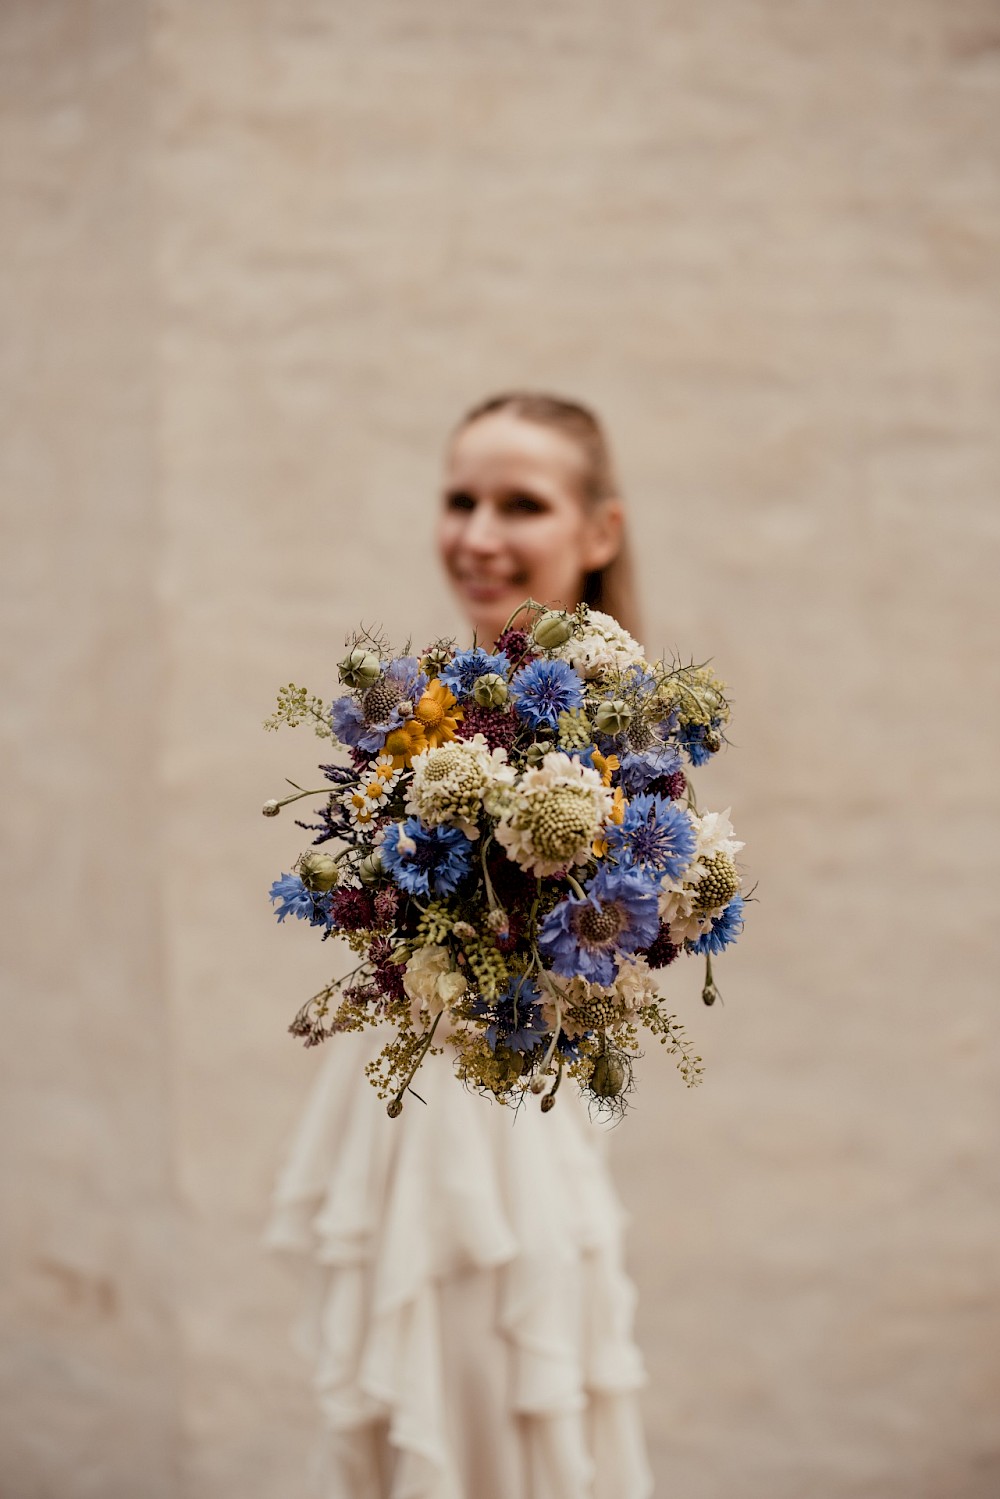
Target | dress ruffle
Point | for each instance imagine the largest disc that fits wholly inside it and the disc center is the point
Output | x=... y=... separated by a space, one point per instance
x=471 y=1327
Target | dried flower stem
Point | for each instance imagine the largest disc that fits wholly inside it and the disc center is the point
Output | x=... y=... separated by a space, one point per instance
x=397 y=1103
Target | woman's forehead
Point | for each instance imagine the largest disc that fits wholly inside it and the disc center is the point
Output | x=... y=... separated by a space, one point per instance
x=501 y=450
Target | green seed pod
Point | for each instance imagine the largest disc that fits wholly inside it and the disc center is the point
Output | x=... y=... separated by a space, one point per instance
x=608 y=1077
x=510 y=1065
x=371 y=868
x=613 y=716
x=318 y=871
x=552 y=630
x=537 y=752
x=360 y=668
x=436 y=657
x=490 y=690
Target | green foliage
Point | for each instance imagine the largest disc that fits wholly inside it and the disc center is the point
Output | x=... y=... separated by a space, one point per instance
x=296 y=705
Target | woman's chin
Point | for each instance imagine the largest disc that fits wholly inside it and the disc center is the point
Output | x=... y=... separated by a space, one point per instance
x=487 y=625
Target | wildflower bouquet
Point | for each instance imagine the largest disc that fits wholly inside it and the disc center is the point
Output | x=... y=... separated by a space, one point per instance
x=518 y=853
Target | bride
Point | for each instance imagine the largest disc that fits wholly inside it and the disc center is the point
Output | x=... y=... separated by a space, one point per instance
x=471 y=1321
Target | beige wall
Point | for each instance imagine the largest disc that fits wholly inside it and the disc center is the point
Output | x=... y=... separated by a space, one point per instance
x=256 y=259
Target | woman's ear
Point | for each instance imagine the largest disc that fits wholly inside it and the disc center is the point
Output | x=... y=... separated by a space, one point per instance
x=604 y=534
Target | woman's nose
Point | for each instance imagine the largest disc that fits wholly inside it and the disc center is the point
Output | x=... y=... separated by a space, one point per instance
x=481 y=532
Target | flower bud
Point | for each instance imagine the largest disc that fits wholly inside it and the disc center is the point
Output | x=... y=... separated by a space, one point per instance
x=318 y=871
x=394 y=1108
x=552 y=630
x=360 y=668
x=271 y=808
x=548 y=1103
x=371 y=868
x=613 y=716
x=608 y=1077
x=712 y=741
x=490 y=690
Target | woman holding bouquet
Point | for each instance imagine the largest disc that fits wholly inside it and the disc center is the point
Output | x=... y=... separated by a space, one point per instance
x=472 y=1322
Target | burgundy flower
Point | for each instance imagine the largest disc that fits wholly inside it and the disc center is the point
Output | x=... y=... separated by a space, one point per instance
x=351 y=910
x=661 y=951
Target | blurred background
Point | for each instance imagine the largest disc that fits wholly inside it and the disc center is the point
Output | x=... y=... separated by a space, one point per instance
x=257 y=257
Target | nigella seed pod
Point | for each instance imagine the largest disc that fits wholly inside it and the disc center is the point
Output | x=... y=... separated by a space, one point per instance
x=537 y=752
x=318 y=871
x=271 y=808
x=394 y=1108
x=436 y=657
x=552 y=630
x=548 y=1103
x=371 y=868
x=510 y=1066
x=608 y=1077
x=360 y=668
x=613 y=716
x=490 y=690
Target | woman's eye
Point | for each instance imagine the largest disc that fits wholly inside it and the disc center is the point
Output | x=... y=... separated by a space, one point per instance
x=459 y=501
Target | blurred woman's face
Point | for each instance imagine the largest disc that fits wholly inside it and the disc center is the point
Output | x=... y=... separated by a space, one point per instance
x=513 y=523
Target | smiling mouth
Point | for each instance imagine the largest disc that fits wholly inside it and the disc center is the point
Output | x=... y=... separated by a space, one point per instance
x=491 y=580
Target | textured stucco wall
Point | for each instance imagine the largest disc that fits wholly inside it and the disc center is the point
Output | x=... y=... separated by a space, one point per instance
x=257 y=257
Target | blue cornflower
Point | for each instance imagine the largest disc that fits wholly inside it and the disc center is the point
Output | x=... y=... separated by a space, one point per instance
x=583 y=938
x=639 y=679
x=515 y=1016
x=366 y=722
x=296 y=900
x=654 y=832
x=426 y=861
x=725 y=928
x=692 y=742
x=543 y=689
x=639 y=767
x=465 y=667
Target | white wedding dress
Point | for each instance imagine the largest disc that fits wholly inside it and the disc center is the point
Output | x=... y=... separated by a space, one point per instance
x=471 y=1320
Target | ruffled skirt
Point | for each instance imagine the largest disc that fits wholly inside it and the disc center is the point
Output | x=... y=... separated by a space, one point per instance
x=470 y=1323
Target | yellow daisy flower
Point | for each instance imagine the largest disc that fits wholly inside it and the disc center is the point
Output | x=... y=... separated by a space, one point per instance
x=439 y=714
x=606 y=765
x=617 y=814
x=405 y=742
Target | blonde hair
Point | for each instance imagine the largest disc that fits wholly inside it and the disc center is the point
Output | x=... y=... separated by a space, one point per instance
x=612 y=587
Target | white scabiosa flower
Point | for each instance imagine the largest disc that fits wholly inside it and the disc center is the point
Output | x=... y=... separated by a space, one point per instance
x=551 y=818
x=714 y=834
x=634 y=986
x=601 y=648
x=449 y=782
x=708 y=884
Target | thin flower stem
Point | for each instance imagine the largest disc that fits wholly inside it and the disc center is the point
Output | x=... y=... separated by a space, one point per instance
x=528 y=604
x=491 y=898
x=576 y=887
x=547 y=1059
x=420 y=1057
x=322 y=791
